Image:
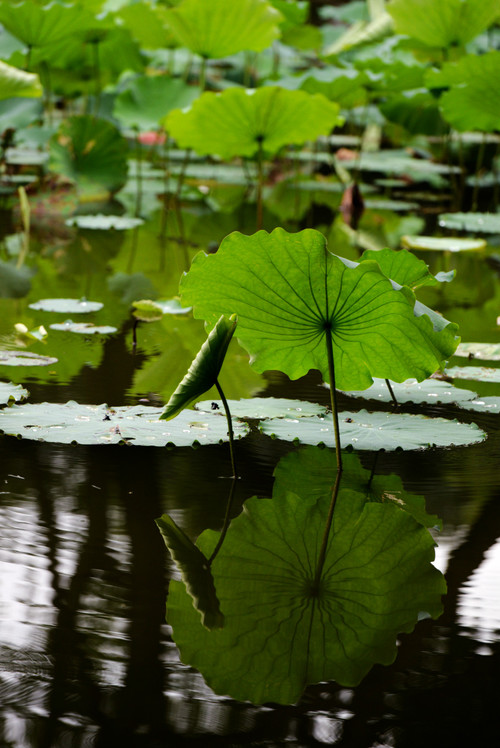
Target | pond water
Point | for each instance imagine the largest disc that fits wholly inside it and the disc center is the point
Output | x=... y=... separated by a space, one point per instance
x=86 y=657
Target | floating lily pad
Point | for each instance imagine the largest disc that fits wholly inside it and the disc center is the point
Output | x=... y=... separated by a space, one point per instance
x=486 y=351
x=83 y=328
x=72 y=422
x=265 y=407
x=442 y=244
x=475 y=223
x=25 y=358
x=67 y=306
x=9 y=392
x=374 y=431
x=104 y=223
x=478 y=373
x=173 y=306
x=411 y=391
x=483 y=405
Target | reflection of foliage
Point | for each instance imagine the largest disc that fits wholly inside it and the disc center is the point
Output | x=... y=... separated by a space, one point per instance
x=279 y=633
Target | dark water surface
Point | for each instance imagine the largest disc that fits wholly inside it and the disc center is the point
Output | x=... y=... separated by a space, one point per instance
x=86 y=658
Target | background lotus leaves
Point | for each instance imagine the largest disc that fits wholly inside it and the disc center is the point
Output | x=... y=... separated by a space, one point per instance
x=222 y=27
x=238 y=121
x=287 y=289
x=147 y=99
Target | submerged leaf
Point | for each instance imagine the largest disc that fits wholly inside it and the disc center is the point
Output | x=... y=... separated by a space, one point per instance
x=203 y=372
x=290 y=293
x=195 y=571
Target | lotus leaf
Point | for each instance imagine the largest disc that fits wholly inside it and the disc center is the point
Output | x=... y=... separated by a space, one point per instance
x=487 y=351
x=222 y=27
x=443 y=24
x=476 y=223
x=279 y=633
x=238 y=121
x=404 y=268
x=41 y=26
x=411 y=391
x=25 y=358
x=477 y=373
x=265 y=407
x=374 y=431
x=290 y=293
x=18 y=83
x=67 y=306
x=104 y=222
x=12 y=392
x=442 y=244
x=92 y=152
x=72 y=423
x=83 y=328
x=148 y=99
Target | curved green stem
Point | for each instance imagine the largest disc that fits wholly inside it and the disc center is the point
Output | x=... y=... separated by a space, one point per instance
x=333 y=399
x=229 y=426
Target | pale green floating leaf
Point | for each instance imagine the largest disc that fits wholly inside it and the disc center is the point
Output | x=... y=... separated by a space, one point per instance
x=445 y=23
x=223 y=27
x=411 y=391
x=280 y=634
x=239 y=121
x=72 y=422
x=399 y=162
x=16 y=83
x=204 y=370
x=374 y=431
x=195 y=571
x=264 y=407
x=104 y=222
x=476 y=373
x=25 y=358
x=475 y=223
x=486 y=351
x=483 y=405
x=173 y=306
x=442 y=244
x=83 y=328
x=12 y=392
x=67 y=306
x=289 y=293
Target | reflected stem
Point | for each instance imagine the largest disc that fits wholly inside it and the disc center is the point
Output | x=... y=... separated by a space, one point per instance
x=227 y=521
x=229 y=426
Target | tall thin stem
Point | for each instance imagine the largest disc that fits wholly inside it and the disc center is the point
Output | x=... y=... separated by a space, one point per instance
x=229 y=426
x=333 y=398
x=260 y=183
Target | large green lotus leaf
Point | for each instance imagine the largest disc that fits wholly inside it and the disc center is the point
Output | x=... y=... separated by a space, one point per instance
x=279 y=634
x=473 y=100
x=92 y=152
x=289 y=292
x=477 y=373
x=404 y=268
x=374 y=431
x=310 y=471
x=25 y=358
x=43 y=25
x=264 y=407
x=442 y=243
x=429 y=391
x=148 y=99
x=204 y=370
x=66 y=306
x=444 y=23
x=73 y=423
x=195 y=571
x=18 y=83
x=475 y=223
x=238 y=121
x=222 y=27
x=12 y=393
x=486 y=351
